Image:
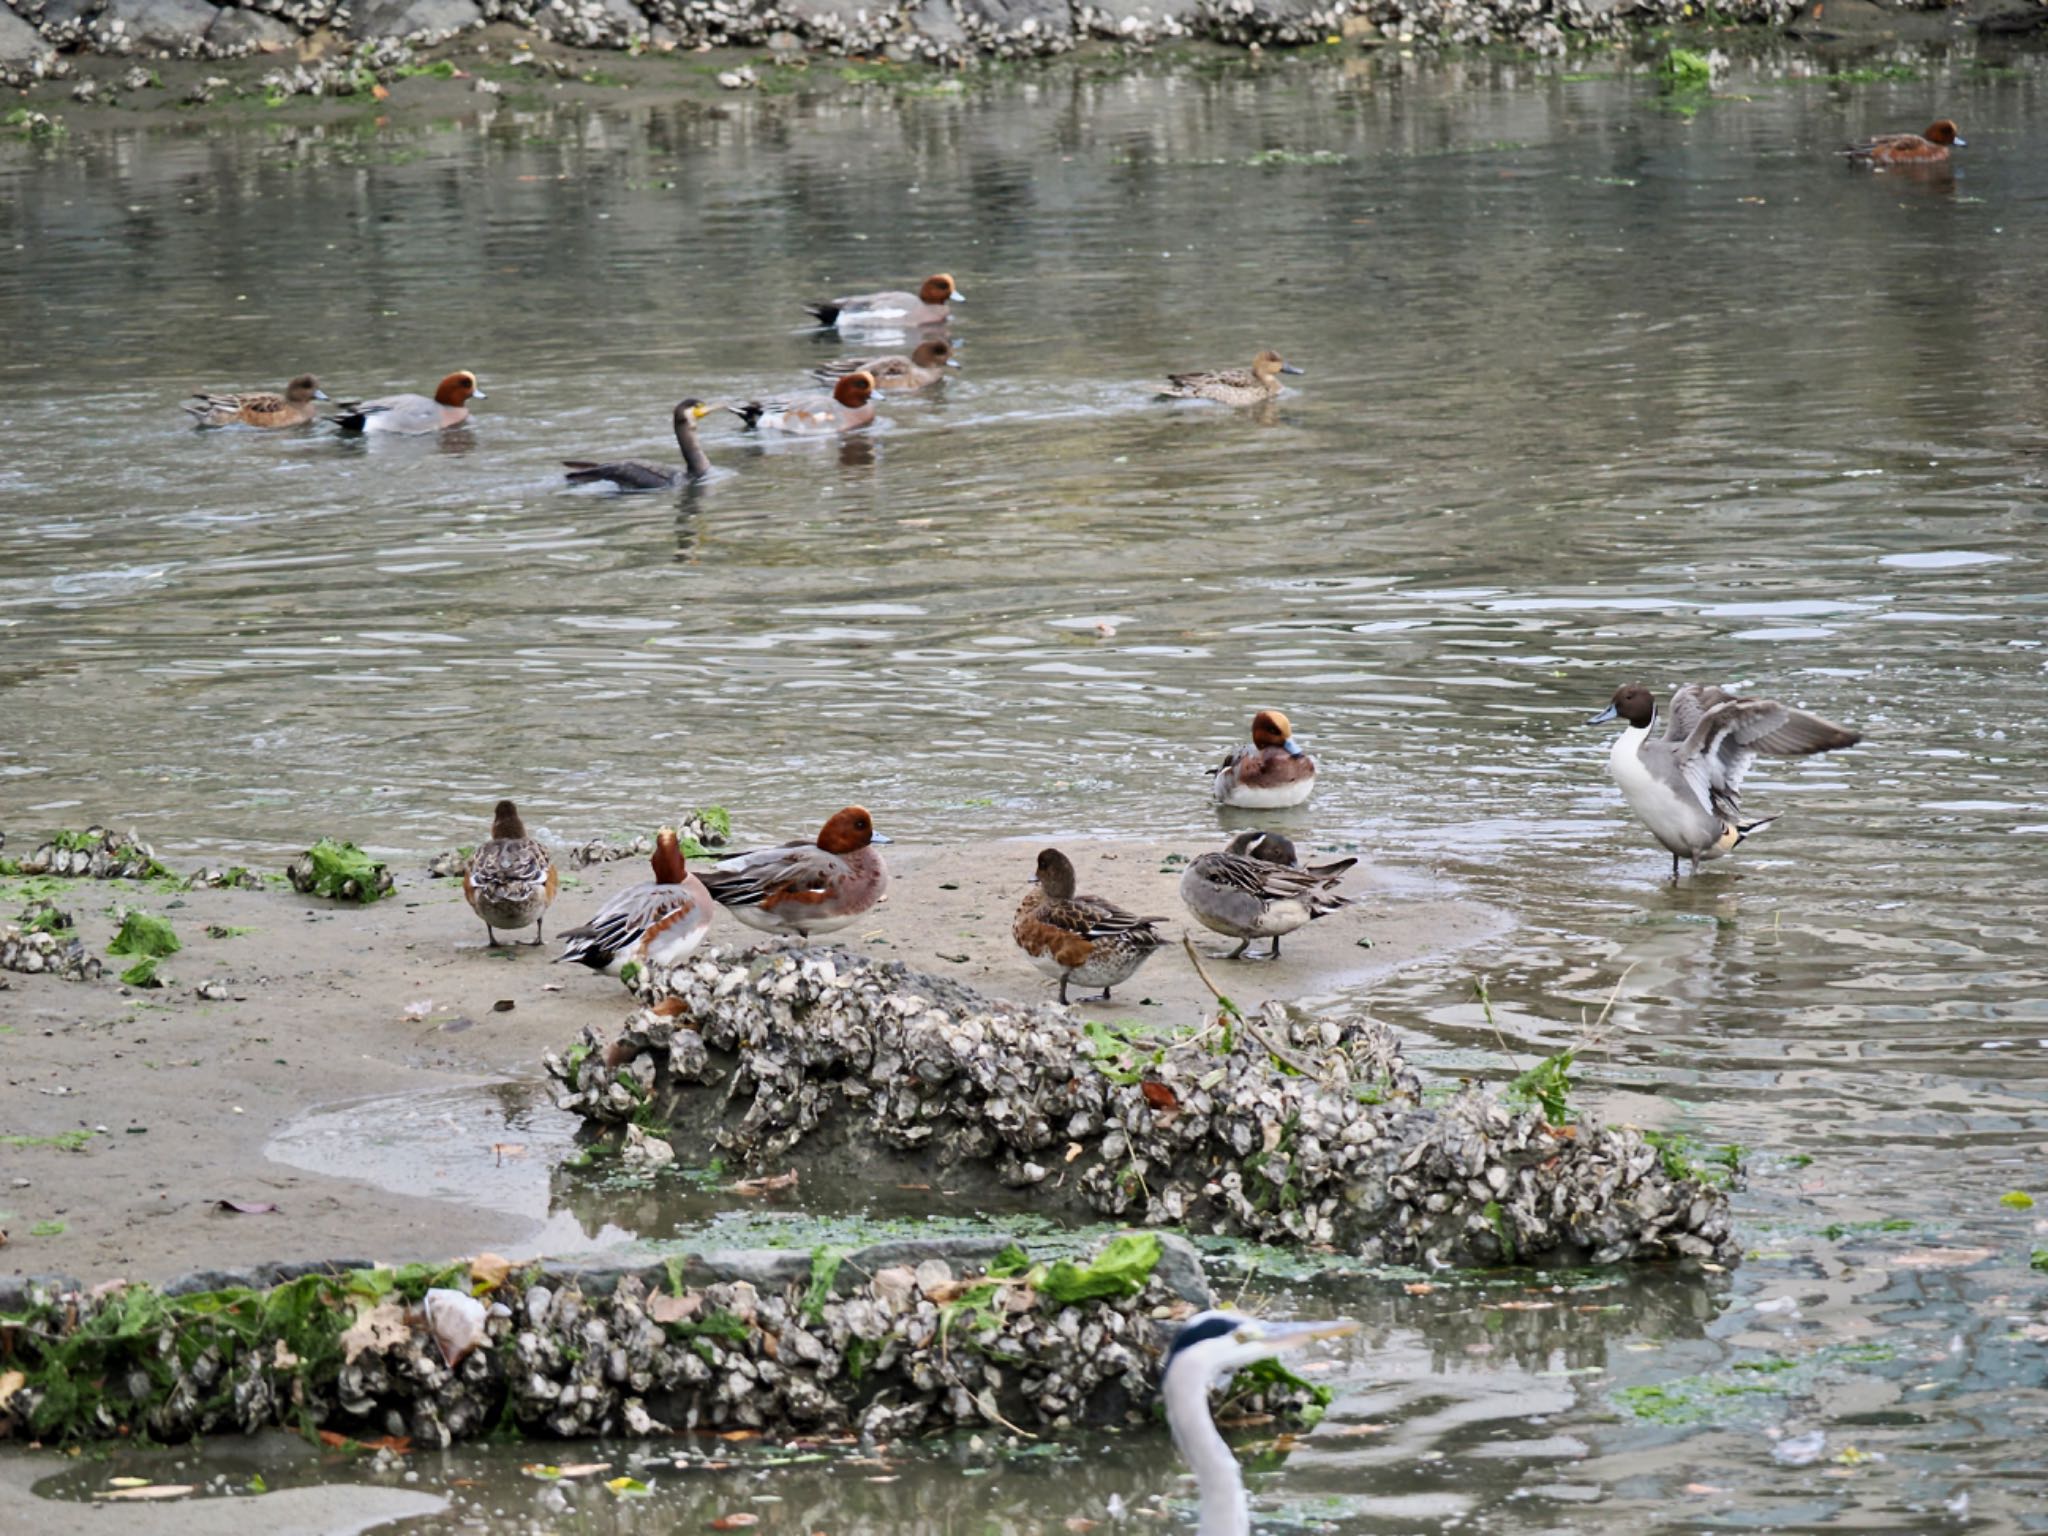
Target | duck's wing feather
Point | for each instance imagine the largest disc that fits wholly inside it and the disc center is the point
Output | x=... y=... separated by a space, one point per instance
x=1095 y=918
x=628 y=474
x=1729 y=738
x=620 y=922
x=785 y=872
x=510 y=861
x=1688 y=704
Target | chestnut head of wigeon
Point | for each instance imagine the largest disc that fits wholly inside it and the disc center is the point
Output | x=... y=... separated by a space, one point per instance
x=1270 y=728
x=853 y=390
x=1943 y=131
x=931 y=354
x=1632 y=702
x=849 y=830
x=1269 y=362
x=1055 y=875
x=505 y=821
x=669 y=868
x=938 y=288
x=458 y=389
x=305 y=387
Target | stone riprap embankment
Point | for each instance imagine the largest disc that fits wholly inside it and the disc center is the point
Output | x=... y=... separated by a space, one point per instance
x=35 y=34
x=1288 y=1129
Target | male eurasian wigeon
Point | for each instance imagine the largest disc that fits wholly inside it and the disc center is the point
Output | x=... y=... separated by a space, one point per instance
x=805 y=888
x=632 y=475
x=413 y=414
x=892 y=311
x=850 y=405
x=299 y=404
x=1082 y=939
x=1687 y=785
x=1257 y=889
x=1233 y=386
x=511 y=881
x=1272 y=772
x=651 y=925
x=1929 y=148
x=923 y=368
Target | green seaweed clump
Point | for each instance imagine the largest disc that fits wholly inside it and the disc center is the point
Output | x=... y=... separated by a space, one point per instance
x=340 y=871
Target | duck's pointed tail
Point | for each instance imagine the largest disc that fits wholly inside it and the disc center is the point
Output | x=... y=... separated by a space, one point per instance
x=1744 y=830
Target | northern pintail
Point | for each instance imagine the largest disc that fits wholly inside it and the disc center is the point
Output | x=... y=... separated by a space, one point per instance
x=413 y=415
x=1257 y=888
x=850 y=405
x=632 y=475
x=1687 y=785
x=1080 y=939
x=299 y=404
x=1233 y=386
x=510 y=881
x=892 y=311
x=653 y=925
x=923 y=368
x=1274 y=771
x=802 y=888
x=1929 y=148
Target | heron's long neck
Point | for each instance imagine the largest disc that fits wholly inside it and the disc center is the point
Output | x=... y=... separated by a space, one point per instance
x=1225 y=1509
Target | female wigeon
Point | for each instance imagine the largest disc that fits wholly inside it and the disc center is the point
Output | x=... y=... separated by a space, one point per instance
x=1687 y=785
x=850 y=405
x=1929 y=148
x=892 y=311
x=920 y=370
x=511 y=881
x=1257 y=889
x=804 y=888
x=1273 y=772
x=632 y=475
x=413 y=414
x=1081 y=939
x=298 y=405
x=651 y=925
x=1233 y=386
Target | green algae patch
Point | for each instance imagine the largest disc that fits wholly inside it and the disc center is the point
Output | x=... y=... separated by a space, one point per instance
x=2017 y=1200
x=144 y=937
x=341 y=872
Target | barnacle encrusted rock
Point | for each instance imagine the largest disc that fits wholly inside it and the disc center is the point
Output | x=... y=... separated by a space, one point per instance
x=891 y=1340
x=774 y=1054
x=53 y=950
x=95 y=854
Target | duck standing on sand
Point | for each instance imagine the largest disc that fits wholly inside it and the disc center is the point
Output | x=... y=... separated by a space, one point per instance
x=1080 y=939
x=1908 y=149
x=653 y=925
x=850 y=405
x=413 y=415
x=632 y=475
x=1257 y=888
x=1273 y=772
x=893 y=311
x=299 y=404
x=923 y=368
x=1233 y=386
x=1687 y=786
x=510 y=881
x=804 y=888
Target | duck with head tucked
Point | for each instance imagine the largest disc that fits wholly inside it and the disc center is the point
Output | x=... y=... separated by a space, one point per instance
x=850 y=405
x=1080 y=939
x=298 y=405
x=1257 y=888
x=893 y=311
x=510 y=881
x=1272 y=772
x=1233 y=386
x=802 y=888
x=633 y=475
x=1687 y=785
x=1908 y=149
x=653 y=925
x=923 y=368
x=413 y=415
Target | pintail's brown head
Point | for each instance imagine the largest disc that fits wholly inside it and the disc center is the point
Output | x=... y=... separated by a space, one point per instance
x=1632 y=702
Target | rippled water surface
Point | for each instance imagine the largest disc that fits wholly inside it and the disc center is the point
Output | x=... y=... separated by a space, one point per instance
x=1602 y=385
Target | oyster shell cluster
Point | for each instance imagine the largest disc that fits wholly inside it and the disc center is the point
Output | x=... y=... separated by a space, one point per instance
x=94 y=854
x=772 y=1053
x=306 y=880
x=44 y=941
x=899 y=1350
x=689 y=827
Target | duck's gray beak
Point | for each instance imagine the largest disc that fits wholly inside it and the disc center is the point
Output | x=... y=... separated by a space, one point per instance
x=961 y=298
x=1605 y=715
x=880 y=837
x=477 y=394
x=952 y=362
x=1962 y=143
x=1290 y=368
x=1292 y=747
x=319 y=394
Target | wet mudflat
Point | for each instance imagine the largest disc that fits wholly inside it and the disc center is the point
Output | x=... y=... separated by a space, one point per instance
x=1602 y=384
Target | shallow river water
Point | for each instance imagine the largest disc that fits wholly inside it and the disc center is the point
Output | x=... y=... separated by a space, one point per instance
x=1602 y=384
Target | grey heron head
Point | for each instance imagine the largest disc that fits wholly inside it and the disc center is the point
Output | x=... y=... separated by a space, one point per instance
x=1211 y=1346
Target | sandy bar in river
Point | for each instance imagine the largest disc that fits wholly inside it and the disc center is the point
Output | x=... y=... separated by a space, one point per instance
x=183 y=1094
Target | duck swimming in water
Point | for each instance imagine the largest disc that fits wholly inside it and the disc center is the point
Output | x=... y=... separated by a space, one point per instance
x=920 y=370
x=1908 y=149
x=850 y=405
x=1273 y=772
x=1233 y=386
x=413 y=415
x=299 y=404
x=895 y=310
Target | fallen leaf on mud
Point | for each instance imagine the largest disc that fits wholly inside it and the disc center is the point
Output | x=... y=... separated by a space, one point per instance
x=381 y=92
x=1074 y=1150
x=1942 y=1258
x=397 y=1445
x=762 y=1186
x=665 y=1308
x=504 y=1149
x=246 y=1207
x=1418 y=1287
x=489 y=1269
x=627 y=1487
x=737 y=1522
x=1159 y=1096
x=381 y=1328
x=147 y=1491
x=504 y=1005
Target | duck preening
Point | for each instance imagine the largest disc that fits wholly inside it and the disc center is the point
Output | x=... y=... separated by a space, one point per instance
x=1257 y=888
